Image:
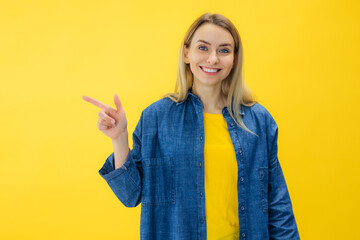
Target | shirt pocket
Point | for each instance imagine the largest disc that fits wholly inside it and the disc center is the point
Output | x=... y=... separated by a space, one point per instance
x=263 y=176
x=158 y=181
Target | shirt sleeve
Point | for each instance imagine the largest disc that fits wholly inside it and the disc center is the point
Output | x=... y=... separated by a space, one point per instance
x=282 y=224
x=125 y=181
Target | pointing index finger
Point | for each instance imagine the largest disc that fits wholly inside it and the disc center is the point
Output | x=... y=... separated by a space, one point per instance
x=95 y=102
x=117 y=103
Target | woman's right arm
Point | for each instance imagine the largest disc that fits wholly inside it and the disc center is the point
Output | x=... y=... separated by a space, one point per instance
x=122 y=169
x=121 y=149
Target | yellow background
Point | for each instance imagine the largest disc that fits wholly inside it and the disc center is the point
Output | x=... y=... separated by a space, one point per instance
x=301 y=60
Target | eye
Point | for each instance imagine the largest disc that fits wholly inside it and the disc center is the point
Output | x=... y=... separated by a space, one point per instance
x=226 y=51
x=201 y=47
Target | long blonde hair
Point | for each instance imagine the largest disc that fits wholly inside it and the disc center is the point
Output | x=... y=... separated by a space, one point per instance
x=233 y=86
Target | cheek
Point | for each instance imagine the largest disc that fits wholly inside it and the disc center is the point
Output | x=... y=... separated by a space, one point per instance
x=196 y=58
x=193 y=65
x=192 y=68
x=229 y=62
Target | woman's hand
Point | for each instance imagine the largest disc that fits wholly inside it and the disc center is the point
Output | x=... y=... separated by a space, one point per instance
x=111 y=122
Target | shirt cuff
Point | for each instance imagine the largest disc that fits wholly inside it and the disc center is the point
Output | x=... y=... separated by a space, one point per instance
x=108 y=170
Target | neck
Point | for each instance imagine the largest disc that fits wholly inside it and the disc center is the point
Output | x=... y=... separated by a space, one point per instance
x=211 y=97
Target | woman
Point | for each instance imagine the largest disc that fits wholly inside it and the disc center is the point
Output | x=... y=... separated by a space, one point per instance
x=209 y=138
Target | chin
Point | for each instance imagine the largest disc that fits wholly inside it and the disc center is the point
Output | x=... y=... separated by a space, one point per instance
x=207 y=82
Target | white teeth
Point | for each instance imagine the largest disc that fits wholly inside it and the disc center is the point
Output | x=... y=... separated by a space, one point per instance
x=209 y=70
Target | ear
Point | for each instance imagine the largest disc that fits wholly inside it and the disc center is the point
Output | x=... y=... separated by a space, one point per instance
x=186 y=55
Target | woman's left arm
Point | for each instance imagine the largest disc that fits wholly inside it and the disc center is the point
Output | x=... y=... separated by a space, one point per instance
x=282 y=224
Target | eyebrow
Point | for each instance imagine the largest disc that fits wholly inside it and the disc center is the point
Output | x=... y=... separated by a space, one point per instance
x=224 y=44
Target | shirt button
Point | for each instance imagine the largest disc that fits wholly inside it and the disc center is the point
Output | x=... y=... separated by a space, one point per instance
x=243 y=235
x=242 y=208
x=242 y=179
x=232 y=124
x=240 y=150
x=200 y=164
x=201 y=193
x=199 y=111
x=201 y=138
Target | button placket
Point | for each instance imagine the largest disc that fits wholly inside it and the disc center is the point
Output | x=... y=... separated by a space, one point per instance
x=199 y=155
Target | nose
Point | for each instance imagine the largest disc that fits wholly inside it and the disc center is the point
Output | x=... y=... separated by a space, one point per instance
x=213 y=58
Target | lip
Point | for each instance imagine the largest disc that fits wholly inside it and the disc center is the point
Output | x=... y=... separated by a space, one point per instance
x=210 y=67
x=210 y=73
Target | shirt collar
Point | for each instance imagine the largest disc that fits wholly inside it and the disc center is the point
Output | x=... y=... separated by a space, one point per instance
x=189 y=93
x=194 y=97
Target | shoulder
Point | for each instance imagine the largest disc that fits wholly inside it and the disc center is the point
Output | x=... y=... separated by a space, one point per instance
x=158 y=109
x=256 y=109
x=260 y=114
x=159 y=105
x=151 y=115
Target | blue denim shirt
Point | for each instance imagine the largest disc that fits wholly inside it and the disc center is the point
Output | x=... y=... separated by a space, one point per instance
x=164 y=172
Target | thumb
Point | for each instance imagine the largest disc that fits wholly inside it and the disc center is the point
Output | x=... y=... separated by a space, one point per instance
x=117 y=103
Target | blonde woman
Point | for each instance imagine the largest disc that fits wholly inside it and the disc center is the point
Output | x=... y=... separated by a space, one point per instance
x=204 y=160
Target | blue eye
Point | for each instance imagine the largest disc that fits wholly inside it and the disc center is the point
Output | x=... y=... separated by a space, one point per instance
x=202 y=47
x=227 y=51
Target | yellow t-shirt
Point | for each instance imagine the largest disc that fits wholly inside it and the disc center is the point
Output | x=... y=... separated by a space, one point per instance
x=220 y=180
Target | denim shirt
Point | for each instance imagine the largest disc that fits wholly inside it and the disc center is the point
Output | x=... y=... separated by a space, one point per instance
x=164 y=172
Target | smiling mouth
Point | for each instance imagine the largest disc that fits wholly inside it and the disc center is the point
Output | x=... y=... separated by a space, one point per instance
x=210 y=70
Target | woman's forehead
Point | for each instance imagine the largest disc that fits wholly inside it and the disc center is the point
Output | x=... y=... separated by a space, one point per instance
x=213 y=35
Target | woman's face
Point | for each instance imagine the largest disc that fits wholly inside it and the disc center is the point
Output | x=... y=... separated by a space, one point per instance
x=210 y=55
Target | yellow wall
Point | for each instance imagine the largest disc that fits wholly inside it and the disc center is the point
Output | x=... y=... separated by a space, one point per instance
x=301 y=61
